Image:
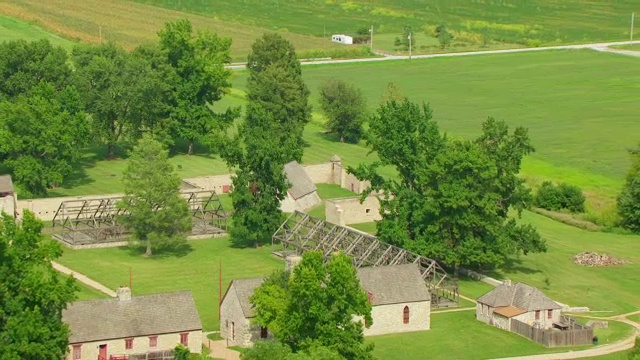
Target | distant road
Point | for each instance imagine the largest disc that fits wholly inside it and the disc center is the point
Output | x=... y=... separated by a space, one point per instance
x=594 y=46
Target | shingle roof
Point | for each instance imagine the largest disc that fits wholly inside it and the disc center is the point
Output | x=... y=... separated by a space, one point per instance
x=244 y=288
x=509 y=311
x=6 y=186
x=394 y=284
x=301 y=183
x=520 y=295
x=142 y=315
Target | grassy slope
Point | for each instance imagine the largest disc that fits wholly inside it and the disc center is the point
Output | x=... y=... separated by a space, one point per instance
x=552 y=21
x=197 y=270
x=13 y=29
x=635 y=47
x=130 y=24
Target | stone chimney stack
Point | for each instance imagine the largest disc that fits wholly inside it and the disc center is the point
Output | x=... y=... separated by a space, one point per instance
x=124 y=293
x=291 y=261
x=506 y=282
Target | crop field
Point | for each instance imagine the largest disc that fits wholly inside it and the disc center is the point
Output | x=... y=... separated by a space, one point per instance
x=130 y=24
x=531 y=23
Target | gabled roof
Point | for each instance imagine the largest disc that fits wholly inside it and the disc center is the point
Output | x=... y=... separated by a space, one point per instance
x=243 y=289
x=106 y=319
x=509 y=311
x=301 y=183
x=6 y=186
x=394 y=284
x=520 y=295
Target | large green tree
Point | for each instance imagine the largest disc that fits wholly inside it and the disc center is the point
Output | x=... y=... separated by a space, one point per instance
x=155 y=213
x=41 y=135
x=275 y=83
x=452 y=198
x=32 y=294
x=316 y=306
x=263 y=350
x=629 y=198
x=198 y=59
x=345 y=108
x=23 y=65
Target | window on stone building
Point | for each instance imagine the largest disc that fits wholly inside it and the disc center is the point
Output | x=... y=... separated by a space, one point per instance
x=263 y=332
x=77 y=352
x=184 y=339
x=128 y=344
x=549 y=313
x=537 y=314
x=153 y=341
x=405 y=315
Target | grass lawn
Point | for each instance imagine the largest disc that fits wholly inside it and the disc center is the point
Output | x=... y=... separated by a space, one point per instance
x=12 y=29
x=635 y=318
x=89 y=293
x=332 y=191
x=130 y=24
x=634 y=47
x=197 y=270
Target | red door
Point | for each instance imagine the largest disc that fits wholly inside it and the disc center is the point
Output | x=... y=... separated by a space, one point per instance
x=102 y=354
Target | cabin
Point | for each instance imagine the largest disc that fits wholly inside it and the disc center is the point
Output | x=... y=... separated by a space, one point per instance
x=303 y=193
x=342 y=39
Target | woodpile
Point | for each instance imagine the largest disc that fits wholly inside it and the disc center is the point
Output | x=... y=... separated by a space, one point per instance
x=589 y=258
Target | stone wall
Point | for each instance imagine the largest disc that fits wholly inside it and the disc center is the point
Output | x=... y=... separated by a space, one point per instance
x=234 y=327
x=320 y=173
x=8 y=204
x=388 y=319
x=46 y=208
x=349 y=210
x=543 y=322
x=221 y=184
x=90 y=350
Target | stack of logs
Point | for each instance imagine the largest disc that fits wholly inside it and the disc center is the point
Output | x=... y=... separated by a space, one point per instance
x=594 y=259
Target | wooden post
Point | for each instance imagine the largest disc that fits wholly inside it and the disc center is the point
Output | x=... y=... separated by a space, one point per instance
x=131 y=280
x=220 y=289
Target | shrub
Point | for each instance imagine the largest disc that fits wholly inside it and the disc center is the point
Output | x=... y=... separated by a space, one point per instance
x=560 y=197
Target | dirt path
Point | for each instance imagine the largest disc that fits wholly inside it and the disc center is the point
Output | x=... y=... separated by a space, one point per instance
x=219 y=349
x=617 y=51
x=83 y=279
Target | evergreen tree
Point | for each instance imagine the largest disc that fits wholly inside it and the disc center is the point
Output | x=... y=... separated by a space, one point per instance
x=629 y=198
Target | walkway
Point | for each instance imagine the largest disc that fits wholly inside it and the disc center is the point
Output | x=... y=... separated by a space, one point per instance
x=83 y=279
x=219 y=349
x=617 y=51
x=595 y=46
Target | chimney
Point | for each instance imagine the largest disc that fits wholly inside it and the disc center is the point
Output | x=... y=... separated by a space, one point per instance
x=124 y=293
x=506 y=282
x=291 y=261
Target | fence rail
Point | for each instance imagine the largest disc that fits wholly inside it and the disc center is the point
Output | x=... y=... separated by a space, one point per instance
x=576 y=335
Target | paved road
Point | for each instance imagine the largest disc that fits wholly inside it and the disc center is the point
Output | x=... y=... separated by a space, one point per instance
x=83 y=279
x=617 y=51
x=470 y=53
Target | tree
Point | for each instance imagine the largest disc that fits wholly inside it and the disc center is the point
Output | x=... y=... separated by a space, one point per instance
x=629 y=198
x=406 y=39
x=452 y=199
x=41 y=135
x=275 y=84
x=316 y=306
x=444 y=36
x=156 y=214
x=199 y=61
x=32 y=294
x=274 y=350
x=345 y=107
x=23 y=65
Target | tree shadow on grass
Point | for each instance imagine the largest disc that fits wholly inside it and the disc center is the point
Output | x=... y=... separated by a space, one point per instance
x=178 y=251
x=512 y=265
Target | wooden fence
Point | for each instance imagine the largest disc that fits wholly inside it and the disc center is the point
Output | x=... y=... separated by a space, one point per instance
x=576 y=335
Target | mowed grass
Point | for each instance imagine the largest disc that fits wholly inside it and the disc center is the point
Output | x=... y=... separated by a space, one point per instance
x=537 y=22
x=13 y=29
x=130 y=24
x=197 y=270
x=634 y=47
x=88 y=293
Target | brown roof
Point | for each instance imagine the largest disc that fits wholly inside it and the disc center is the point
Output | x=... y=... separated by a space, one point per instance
x=394 y=284
x=243 y=289
x=520 y=295
x=509 y=311
x=301 y=183
x=6 y=186
x=142 y=315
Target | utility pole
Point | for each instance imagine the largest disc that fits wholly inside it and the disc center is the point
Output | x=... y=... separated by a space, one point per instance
x=409 y=46
x=633 y=14
x=371 y=41
x=100 y=30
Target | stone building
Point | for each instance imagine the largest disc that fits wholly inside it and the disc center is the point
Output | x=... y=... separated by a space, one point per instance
x=518 y=301
x=400 y=302
x=125 y=326
x=303 y=194
x=7 y=195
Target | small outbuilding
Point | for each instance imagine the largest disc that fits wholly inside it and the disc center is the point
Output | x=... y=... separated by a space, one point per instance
x=398 y=294
x=518 y=301
x=119 y=328
x=342 y=39
x=7 y=195
x=303 y=194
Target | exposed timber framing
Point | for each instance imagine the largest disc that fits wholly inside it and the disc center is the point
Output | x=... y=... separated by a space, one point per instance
x=301 y=233
x=95 y=220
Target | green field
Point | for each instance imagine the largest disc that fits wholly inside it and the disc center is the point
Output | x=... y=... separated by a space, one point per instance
x=544 y=22
x=635 y=47
x=197 y=270
x=88 y=293
x=12 y=29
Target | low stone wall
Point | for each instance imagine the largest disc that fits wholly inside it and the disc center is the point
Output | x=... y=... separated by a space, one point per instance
x=349 y=210
x=8 y=204
x=45 y=209
x=221 y=184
